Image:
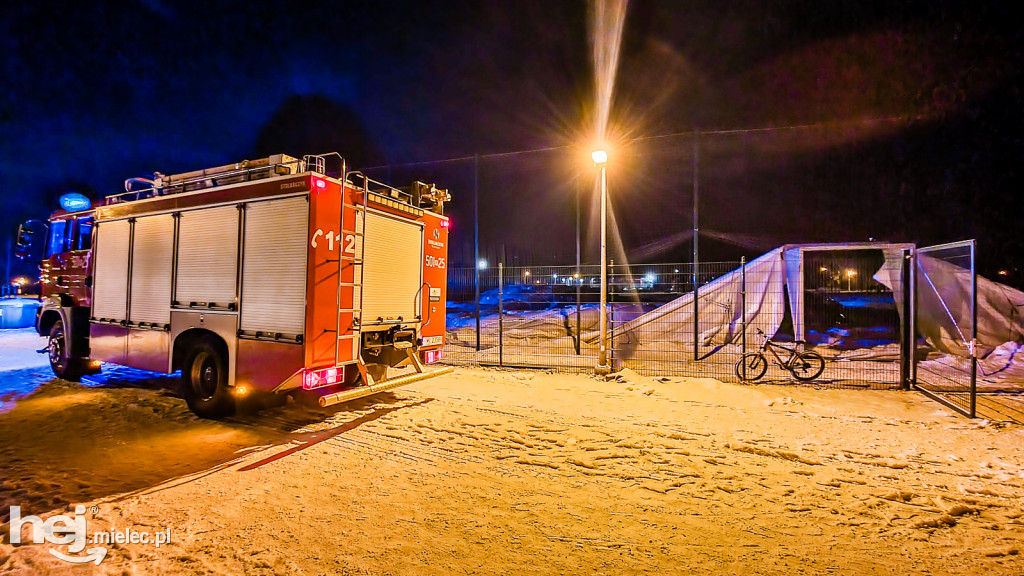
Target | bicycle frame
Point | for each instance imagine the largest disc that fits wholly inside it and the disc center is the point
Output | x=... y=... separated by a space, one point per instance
x=772 y=347
x=803 y=365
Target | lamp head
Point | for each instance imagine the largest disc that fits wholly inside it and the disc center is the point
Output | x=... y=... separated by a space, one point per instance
x=600 y=157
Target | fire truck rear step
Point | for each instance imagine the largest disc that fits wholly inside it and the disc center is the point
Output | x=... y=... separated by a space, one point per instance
x=364 y=391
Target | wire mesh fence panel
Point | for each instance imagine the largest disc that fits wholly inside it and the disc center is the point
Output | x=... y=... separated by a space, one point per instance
x=533 y=317
x=549 y=317
x=660 y=331
x=946 y=319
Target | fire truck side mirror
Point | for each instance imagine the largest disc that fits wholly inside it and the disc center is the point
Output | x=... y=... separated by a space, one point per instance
x=30 y=243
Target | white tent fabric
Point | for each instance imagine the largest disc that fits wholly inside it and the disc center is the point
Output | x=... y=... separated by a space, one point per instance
x=890 y=275
x=943 y=308
x=794 y=258
x=719 y=308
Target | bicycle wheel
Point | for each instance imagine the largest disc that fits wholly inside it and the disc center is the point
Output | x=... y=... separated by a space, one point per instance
x=807 y=366
x=751 y=366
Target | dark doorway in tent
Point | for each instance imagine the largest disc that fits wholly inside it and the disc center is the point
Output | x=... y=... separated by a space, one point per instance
x=845 y=307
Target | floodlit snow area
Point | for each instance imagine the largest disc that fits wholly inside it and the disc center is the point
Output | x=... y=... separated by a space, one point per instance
x=514 y=472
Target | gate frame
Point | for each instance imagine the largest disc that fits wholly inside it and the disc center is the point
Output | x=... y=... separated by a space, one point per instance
x=972 y=346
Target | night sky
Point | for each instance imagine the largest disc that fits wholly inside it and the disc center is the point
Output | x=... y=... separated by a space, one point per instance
x=820 y=121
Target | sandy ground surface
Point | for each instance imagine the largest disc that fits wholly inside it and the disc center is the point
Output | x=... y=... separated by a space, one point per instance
x=510 y=472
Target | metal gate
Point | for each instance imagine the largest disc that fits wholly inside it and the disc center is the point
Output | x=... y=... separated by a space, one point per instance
x=946 y=320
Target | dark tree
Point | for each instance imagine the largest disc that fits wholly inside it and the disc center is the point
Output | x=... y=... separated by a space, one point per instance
x=315 y=124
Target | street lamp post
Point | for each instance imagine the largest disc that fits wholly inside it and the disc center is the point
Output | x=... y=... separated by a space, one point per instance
x=601 y=160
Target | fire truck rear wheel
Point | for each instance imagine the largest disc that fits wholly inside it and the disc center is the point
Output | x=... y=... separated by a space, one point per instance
x=204 y=381
x=57 y=348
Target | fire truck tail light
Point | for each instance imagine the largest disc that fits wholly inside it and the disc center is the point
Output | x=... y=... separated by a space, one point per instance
x=310 y=380
x=317 y=378
x=431 y=356
x=445 y=223
x=320 y=183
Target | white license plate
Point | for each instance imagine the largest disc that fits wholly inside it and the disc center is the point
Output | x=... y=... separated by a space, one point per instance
x=433 y=340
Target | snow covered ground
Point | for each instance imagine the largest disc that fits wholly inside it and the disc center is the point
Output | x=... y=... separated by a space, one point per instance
x=514 y=472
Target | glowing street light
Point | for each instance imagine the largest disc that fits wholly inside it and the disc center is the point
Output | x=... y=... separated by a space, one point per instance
x=482 y=264
x=600 y=158
x=850 y=273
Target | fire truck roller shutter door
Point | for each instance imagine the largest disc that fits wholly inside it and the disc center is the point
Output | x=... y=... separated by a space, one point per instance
x=393 y=268
x=110 y=282
x=152 y=257
x=274 y=266
x=207 y=257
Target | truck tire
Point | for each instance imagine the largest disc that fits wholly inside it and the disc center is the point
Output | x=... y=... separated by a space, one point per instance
x=204 y=381
x=63 y=365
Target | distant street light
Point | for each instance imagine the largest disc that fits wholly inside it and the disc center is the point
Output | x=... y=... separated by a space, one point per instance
x=601 y=160
x=482 y=264
x=850 y=273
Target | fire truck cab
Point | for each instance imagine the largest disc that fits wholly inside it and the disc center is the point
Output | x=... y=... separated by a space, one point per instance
x=263 y=276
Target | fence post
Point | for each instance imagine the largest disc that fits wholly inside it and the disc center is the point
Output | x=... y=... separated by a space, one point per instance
x=578 y=337
x=476 y=243
x=696 y=232
x=906 y=328
x=743 y=303
x=974 y=330
x=501 y=314
x=913 y=318
x=577 y=202
x=696 y=308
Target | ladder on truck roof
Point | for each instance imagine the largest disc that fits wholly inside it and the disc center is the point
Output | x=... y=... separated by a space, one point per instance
x=356 y=262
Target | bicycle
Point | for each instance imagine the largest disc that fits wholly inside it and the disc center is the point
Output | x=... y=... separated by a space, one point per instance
x=803 y=366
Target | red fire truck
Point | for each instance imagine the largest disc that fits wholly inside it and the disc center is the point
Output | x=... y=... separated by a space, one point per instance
x=264 y=276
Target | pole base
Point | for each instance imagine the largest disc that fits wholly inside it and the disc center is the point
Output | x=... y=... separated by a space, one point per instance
x=602 y=370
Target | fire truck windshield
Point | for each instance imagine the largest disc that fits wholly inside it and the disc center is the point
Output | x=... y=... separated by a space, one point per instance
x=83 y=236
x=56 y=243
x=67 y=235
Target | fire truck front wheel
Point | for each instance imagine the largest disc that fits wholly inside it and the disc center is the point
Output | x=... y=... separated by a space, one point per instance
x=204 y=381
x=57 y=349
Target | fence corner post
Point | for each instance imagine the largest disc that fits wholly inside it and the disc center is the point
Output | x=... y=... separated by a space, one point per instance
x=501 y=314
x=743 y=304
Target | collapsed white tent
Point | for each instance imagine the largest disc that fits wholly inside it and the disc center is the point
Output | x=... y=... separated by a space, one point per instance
x=719 y=308
x=942 y=308
x=767 y=278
